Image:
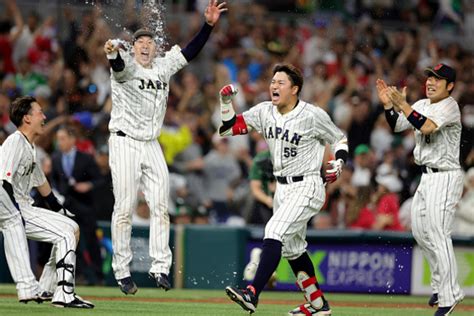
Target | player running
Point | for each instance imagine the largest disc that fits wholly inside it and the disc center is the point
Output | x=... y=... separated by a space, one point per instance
x=436 y=122
x=296 y=133
x=140 y=87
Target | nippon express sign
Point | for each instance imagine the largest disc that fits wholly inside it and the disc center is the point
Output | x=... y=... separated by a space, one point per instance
x=354 y=268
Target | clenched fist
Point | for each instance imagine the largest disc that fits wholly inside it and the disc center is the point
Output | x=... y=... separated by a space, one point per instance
x=335 y=171
x=227 y=93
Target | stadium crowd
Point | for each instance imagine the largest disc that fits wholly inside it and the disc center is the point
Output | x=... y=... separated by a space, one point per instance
x=341 y=53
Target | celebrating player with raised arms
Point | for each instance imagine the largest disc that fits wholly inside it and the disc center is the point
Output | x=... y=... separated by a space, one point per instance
x=436 y=122
x=296 y=133
x=140 y=87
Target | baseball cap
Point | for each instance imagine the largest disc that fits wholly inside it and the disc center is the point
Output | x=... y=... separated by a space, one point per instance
x=361 y=149
x=442 y=71
x=142 y=32
x=390 y=181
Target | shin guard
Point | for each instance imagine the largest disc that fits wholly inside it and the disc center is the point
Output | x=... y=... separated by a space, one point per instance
x=308 y=285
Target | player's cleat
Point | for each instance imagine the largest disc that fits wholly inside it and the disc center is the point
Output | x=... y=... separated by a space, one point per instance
x=162 y=280
x=244 y=297
x=77 y=302
x=39 y=298
x=433 y=300
x=127 y=286
x=445 y=311
x=45 y=296
x=308 y=309
x=34 y=298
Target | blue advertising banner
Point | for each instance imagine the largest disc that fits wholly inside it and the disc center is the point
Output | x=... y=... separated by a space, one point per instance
x=353 y=268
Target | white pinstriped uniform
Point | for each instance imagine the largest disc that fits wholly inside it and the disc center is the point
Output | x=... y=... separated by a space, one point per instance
x=438 y=193
x=296 y=142
x=18 y=166
x=16 y=248
x=139 y=99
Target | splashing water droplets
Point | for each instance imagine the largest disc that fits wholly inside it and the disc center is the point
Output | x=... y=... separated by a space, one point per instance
x=153 y=13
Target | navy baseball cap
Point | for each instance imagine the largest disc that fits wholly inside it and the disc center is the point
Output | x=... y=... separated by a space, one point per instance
x=142 y=32
x=442 y=71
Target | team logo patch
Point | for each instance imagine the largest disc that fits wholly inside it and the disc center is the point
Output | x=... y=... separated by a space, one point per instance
x=9 y=174
x=438 y=67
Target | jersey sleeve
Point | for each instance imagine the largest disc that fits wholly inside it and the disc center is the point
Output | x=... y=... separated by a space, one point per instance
x=253 y=117
x=38 y=177
x=127 y=72
x=325 y=128
x=402 y=122
x=173 y=61
x=10 y=153
x=445 y=113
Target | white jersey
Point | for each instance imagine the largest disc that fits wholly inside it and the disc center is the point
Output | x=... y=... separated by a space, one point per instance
x=296 y=139
x=440 y=149
x=140 y=95
x=19 y=167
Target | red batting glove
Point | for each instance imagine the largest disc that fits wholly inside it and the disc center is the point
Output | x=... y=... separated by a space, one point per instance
x=335 y=171
x=227 y=93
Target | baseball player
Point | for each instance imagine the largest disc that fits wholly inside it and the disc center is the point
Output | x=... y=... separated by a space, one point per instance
x=436 y=122
x=16 y=250
x=19 y=173
x=140 y=86
x=296 y=133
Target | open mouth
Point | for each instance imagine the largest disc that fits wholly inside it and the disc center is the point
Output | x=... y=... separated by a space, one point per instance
x=431 y=90
x=275 y=95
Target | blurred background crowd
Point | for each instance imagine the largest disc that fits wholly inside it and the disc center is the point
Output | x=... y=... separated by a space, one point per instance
x=53 y=50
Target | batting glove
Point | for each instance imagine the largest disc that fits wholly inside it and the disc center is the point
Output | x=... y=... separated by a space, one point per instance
x=335 y=171
x=65 y=212
x=227 y=93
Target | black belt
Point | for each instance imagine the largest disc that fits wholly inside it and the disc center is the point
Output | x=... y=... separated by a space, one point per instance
x=121 y=134
x=286 y=180
x=426 y=169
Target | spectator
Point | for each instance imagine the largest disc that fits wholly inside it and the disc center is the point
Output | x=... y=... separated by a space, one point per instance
x=103 y=194
x=74 y=176
x=221 y=174
x=363 y=161
x=262 y=187
x=360 y=214
x=386 y=203
x=141 y=215
x=7 y=39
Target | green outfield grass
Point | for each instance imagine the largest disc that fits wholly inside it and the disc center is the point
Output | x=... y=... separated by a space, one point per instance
x=149 y=301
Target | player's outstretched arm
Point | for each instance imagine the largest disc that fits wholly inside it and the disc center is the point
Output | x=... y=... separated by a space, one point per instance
x=112 y=50
x=232 y=124
x=48 y=195
x=212 y=14
x=213 y=11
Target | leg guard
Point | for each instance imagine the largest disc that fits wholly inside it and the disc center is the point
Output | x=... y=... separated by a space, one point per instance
x=312 y=293
x=65 y=272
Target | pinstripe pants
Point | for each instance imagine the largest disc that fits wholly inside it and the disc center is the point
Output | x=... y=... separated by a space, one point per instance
x=16 y=248
x=139 y=165
x=59 y=230
x=432 y=217
x=294 y=205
